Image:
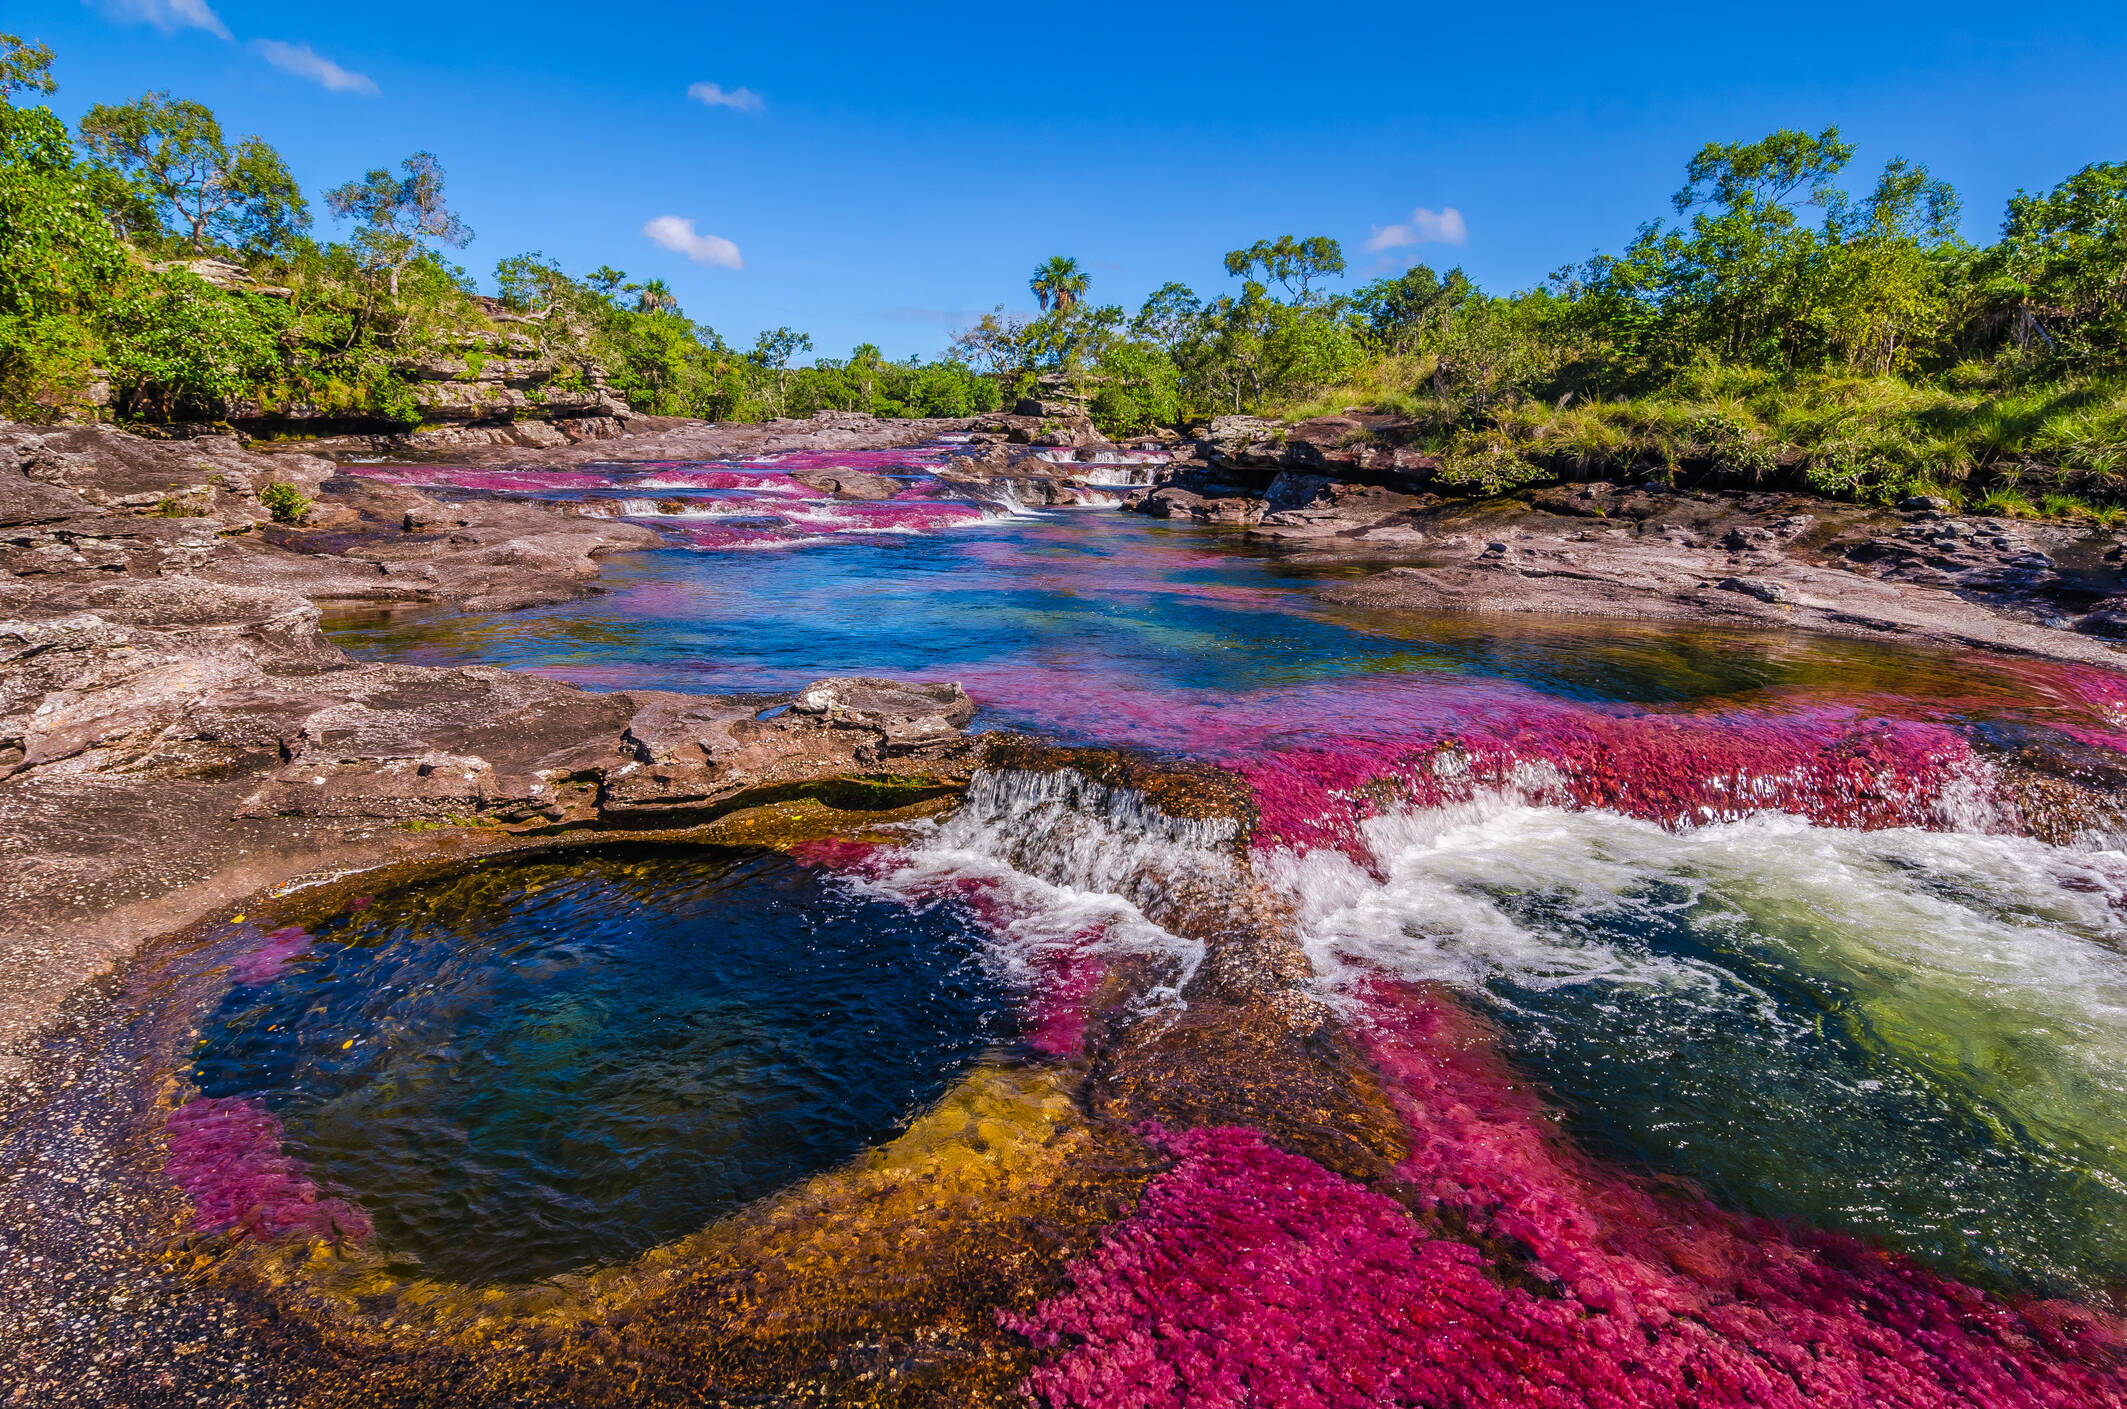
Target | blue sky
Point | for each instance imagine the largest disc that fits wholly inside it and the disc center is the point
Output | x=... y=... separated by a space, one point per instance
x=888 y=172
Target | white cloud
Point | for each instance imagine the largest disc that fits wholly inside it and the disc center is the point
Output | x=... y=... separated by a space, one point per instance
x=1425 y=227
x=169 y=16
x=716 y=96
x=306 y=62
x=679 y=235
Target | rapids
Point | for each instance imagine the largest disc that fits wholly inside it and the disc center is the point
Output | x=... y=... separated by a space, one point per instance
x=1326 y=1008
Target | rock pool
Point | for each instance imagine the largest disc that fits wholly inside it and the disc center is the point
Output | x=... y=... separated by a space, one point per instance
x=1301 y=1005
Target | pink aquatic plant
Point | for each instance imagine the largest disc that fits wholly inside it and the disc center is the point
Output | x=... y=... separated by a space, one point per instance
x=225 y=1153
x=1249 y=1276
x=1066 y=980
x=270 y=957
x=1823 y=763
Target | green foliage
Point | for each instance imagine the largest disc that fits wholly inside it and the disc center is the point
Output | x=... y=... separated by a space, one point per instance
x=1402 y=313
x=169 y=155
x=2060 y=272
x=1484 y=465
x=1140 y=387
x=401 y=217
x=285 y=502
x=1292 y=264
x=2008 y=502
x=1058 y=284
x=58 y=256
x=24 y=68
x=179 y=347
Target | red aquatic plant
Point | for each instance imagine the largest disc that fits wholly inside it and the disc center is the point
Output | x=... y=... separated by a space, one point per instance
x=1825 y=764
x=1529 y=1275
x=226 y=1154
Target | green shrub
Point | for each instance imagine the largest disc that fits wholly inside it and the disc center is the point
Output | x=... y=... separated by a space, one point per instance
x=285 y=502
x=1482 y=467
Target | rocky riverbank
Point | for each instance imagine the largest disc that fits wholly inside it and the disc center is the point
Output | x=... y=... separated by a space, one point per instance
x=1340 y=491
x=176 y=734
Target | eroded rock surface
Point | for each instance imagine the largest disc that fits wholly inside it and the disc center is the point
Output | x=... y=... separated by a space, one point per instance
x=176 y=733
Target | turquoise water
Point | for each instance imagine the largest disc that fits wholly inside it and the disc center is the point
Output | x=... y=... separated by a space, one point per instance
x=1083 y=622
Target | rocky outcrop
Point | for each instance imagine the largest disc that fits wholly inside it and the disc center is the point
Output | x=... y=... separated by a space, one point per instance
x=176 y=734
x=88 y=504
x=1751 y=559
x=691 y=753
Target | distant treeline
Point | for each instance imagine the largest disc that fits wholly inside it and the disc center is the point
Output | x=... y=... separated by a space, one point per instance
x=1778 y=326
x=98 y=302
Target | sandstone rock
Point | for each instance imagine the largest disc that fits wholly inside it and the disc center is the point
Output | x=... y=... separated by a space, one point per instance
x=848 y=484
x=906 y=716
x=694 y=754
x=1175 y=502
x=1763 y=589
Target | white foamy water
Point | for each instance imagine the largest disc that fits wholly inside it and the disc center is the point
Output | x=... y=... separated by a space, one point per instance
x=1997 y=963
x=1066 y=864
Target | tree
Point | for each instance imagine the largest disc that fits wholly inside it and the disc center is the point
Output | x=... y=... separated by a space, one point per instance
x=1170 y=316
x=1058 y=284
x=1886 y=291
x=400 y=215
x=2063 y=257
x=24 y=68
x=772 y=352
x=173 y=153
x=1766 y=173
x=1290 y=263
x=1403 y=311
x=998 y=343
x=864 y=366
x=59 y=257
x=1139 y=388
x=181 y=347
x=654 y=297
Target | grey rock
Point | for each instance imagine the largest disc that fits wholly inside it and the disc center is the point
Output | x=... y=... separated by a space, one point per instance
x=1763 y=589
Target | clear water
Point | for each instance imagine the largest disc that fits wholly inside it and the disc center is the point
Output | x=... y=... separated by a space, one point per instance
x=1915 y=1036
x=546 y=1066
x=1098 y=625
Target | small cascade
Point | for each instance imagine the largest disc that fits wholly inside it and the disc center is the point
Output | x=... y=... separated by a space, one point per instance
x=758 y=503
x=1118 y=475
x=997 y=794
x=1058 y=863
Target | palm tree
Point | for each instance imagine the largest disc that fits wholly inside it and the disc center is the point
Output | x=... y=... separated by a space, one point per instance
x=1059 y=283
x=655 y=297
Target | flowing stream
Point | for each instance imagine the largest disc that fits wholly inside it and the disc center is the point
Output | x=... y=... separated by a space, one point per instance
x=1672 y=958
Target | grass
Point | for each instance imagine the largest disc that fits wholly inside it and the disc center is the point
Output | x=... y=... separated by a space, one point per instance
x=2007 y=502
x=1973 y=430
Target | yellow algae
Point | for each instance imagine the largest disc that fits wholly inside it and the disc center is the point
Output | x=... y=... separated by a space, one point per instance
x=905 y=1252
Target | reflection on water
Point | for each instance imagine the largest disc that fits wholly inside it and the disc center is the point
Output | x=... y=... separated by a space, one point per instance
x=540 y=1067
x=1092 y=625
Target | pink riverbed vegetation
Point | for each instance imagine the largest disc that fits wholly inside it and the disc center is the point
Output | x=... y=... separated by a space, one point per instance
x=226 y=1154
x=1501 y=1266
